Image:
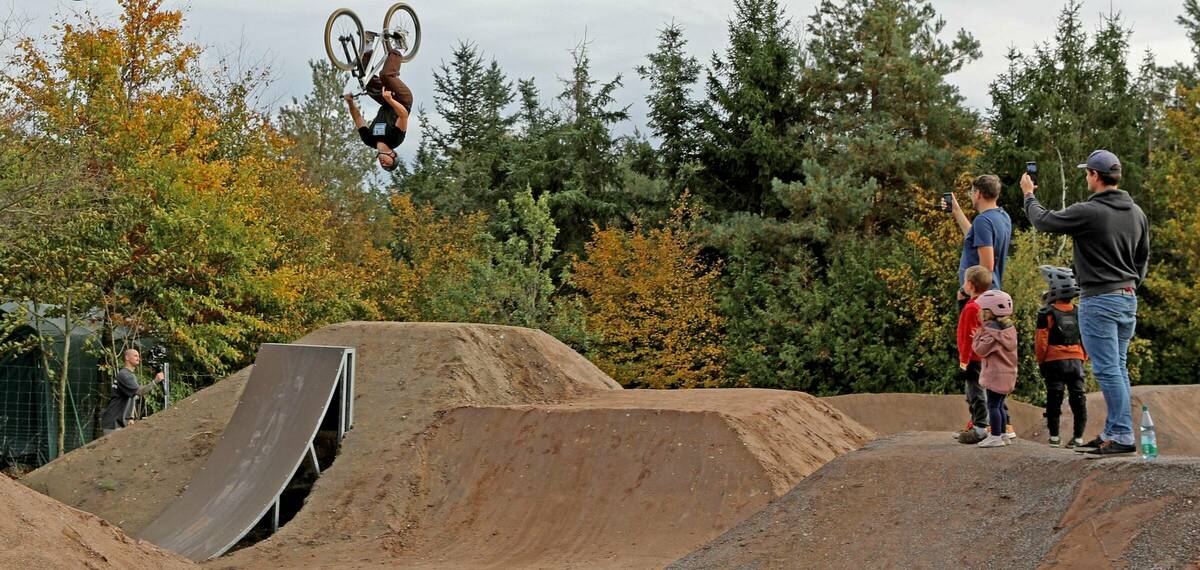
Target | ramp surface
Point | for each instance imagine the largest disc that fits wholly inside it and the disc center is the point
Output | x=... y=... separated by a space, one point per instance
x=289 y=390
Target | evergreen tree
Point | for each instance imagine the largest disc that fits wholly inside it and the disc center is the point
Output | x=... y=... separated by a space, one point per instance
x=755 y=123
x=458 y=98
x=673 y=114
x=585 y=189
x=1061 y=103
x=887 y=123
x=471 y=99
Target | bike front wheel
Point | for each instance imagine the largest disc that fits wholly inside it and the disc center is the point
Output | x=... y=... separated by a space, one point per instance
x=344 y=39
x=402 y=31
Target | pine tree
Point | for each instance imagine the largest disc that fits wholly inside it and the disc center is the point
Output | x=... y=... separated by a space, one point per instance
x=885 y=114
x=1062 y=102
x=458 y=97
x=584 y=189
x=673 y=114
x=755 y=123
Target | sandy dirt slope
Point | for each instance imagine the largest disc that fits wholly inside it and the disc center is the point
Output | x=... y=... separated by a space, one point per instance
x=1176 y=413
x=630 y=479
x=406 y=373
x=37 y=532
x=128 y=477
x=917 y=500
x=895 y=413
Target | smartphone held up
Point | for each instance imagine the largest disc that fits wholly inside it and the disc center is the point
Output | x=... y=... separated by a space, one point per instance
x=1032 y=170
x=947 y=202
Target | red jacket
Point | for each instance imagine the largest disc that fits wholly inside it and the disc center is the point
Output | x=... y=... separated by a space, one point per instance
x=968 y=323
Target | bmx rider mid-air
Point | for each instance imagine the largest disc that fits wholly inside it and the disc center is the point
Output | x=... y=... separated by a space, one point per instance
x=387 y=130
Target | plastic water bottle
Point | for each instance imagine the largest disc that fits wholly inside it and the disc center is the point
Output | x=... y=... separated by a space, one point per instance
x=1149 y=440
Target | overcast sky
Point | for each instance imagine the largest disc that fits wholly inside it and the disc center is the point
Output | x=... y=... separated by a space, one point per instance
x=532 y=38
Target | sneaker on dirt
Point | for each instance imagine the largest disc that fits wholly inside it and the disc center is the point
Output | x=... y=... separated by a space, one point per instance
x=992 y=441
x=971 y=437
x=1113 y=448
x=1077 y=442
x=1055 y=441
x=1086 y=447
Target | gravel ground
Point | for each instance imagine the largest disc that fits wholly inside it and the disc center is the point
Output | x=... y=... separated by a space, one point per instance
x=920 y=500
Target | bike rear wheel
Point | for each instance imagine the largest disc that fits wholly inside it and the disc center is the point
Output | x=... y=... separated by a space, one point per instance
x=402 y=31
x=344 y=39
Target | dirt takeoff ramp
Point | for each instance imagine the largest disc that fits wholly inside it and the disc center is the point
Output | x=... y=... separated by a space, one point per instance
x=625 y=479
x=919 y=500
x=269 y=437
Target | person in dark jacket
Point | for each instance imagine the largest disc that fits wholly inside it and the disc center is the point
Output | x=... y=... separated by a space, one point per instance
x=125 y=387
x=1112 y=253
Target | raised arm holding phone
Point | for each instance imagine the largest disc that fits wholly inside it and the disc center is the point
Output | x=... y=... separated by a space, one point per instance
x=125 y=387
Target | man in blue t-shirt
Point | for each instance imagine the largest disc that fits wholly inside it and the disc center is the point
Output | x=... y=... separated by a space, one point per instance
x=988 y=237
x=985 y=243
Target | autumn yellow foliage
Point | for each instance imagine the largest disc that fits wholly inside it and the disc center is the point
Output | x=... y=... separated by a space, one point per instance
x=650 y=300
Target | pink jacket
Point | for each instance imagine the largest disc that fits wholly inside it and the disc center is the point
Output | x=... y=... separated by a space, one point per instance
x=998 y=347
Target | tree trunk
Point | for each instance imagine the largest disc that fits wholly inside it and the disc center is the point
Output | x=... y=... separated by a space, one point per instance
x=64 y=376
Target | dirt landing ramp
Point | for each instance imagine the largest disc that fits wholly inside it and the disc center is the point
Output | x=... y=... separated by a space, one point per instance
x=630 y=479
x=1176 y=413
x=40 y=533
x=922 y=501
x=894 y=413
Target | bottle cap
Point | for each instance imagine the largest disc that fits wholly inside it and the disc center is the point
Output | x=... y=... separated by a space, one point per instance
x=1145 y=408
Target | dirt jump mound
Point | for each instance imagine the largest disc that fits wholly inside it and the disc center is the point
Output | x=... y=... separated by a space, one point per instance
x=39 y=532
x=621 y=479
x=921 y=501
x=888 y=414
x=473 y=444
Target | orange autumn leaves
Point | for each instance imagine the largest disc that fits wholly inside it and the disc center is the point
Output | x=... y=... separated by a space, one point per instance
x=650 y=299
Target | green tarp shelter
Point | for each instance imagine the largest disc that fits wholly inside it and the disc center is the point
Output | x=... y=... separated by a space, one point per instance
x=28 y=410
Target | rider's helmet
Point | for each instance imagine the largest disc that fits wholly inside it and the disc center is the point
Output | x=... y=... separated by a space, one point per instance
x=996 y=301
x=1060 y=282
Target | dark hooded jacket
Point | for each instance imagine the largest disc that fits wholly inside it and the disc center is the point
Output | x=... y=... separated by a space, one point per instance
x=1111 y=235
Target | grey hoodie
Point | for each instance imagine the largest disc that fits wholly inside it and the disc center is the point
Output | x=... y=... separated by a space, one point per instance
x=1111 y=235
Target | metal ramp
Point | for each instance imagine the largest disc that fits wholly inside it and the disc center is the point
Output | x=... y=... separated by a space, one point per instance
x=293 y=392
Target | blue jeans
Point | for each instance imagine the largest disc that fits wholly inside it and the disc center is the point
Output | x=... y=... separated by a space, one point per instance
x=1107 y=324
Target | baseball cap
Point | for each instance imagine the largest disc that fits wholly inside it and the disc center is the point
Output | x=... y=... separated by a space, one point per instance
x=1103 y=162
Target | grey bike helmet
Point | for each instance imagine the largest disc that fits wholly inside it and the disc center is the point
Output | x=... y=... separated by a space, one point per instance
x=1060 y=282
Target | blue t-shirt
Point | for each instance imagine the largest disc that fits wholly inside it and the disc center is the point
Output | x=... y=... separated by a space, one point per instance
x=991 y=228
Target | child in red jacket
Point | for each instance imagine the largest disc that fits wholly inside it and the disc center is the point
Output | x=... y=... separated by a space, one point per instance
x=976 y=281
x=1060 y=355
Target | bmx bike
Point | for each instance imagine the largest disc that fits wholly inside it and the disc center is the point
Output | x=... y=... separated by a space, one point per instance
x=346 y=41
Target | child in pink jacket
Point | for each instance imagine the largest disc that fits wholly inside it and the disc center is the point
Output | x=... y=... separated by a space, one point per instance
x=996 y=343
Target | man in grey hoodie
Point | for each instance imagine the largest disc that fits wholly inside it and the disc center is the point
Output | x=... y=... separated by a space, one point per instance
x=1112 y=253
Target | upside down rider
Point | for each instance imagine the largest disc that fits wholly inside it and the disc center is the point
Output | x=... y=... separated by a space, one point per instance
x=387 y=130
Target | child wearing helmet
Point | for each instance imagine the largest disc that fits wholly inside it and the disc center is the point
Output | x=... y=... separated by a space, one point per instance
x=1059 y=351
x=996 y=343
x=976 y=281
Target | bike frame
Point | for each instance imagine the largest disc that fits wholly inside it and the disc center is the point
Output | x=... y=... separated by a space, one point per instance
x=360 y=71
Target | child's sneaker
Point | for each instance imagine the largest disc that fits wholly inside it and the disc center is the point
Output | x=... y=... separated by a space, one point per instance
x=992 y=441
x=1009 y=433
x=1055 y=441
x=972 y=436
x=1073 y=443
